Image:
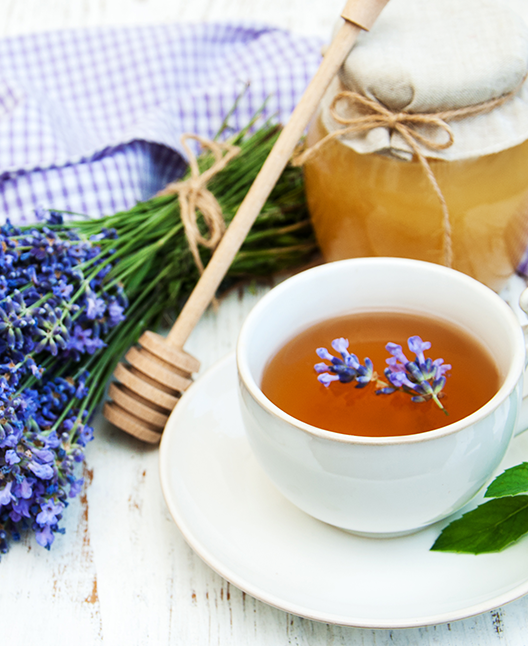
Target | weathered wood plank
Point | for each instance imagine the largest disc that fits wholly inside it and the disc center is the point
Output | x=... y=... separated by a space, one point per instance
x=123 y=573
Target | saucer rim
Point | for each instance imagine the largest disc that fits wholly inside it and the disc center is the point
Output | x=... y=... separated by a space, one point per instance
x=257 y=592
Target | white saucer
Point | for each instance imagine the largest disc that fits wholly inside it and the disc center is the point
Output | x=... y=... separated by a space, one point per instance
x=243 y=528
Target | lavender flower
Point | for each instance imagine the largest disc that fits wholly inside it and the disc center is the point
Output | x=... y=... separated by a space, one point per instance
x=346 y=369
x=422 y=378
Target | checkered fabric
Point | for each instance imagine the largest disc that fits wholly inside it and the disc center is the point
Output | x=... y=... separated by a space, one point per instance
x=90 y=120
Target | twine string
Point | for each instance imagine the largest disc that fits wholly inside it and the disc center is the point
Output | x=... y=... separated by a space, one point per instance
x=194 y=196
x=376 y=115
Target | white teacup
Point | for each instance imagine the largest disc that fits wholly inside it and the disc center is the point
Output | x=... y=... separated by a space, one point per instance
x=372 y=485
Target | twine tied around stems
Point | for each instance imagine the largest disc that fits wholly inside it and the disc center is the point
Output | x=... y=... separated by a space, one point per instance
x=194 y=196
x=374 y=114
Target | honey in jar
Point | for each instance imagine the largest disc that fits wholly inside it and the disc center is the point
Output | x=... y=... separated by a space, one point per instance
x=367 y=191
x=373 y=205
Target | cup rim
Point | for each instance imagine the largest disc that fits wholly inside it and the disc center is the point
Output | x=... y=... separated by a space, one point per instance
x=509 y=384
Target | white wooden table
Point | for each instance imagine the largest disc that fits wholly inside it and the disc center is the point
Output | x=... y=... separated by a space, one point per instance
x=123 y=573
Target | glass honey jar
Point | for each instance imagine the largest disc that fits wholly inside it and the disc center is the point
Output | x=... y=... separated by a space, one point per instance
x=367 y=191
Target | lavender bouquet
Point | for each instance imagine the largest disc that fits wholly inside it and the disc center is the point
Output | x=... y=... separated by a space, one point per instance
x=56 y=309
x=74 y=295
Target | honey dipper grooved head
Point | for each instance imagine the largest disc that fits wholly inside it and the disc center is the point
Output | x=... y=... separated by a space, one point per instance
x=148 y=387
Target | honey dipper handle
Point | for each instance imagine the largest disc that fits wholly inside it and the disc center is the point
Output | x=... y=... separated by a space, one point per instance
x=362 y=12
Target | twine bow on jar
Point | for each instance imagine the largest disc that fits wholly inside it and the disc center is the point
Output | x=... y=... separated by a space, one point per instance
x=194 y=196
x=374 y=114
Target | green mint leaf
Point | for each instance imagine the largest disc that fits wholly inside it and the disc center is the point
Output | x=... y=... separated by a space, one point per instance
x=509 y=483
x=490 y=527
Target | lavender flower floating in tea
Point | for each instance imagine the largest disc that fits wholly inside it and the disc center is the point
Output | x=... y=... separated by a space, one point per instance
x=345 y=370
x=415 y=390
x=423 y=379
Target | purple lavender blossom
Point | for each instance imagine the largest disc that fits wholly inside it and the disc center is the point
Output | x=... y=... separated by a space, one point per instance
x=76 y=487
x=42 y=471
x=82 y=341
x=44 y=536
x=417 y=347
x=24 y=489
x=422 y=378
x=115 y=313
x=345 y=369
x=95 y=307
x=49 y=512
x=397 y=353
x=85 y=435
x=326 y=378
x=11 y=457
x=6 y=496
x=63 y=290
x=20 y=510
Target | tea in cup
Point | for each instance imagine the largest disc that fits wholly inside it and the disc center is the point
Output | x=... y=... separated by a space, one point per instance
x=406 y=472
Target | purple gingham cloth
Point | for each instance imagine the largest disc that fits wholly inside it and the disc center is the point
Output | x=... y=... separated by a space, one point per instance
x=90 y=120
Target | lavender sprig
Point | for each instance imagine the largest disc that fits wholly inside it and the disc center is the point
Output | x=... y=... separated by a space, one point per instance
x=346 y=369
x=423 y=379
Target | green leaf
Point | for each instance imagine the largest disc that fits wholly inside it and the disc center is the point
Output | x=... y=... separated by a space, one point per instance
x=490 y=527
x=509 y=483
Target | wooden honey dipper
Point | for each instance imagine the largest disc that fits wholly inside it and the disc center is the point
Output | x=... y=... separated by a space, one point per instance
x=159 y=369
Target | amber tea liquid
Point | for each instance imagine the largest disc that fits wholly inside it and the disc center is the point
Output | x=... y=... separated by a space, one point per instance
x=290 y=380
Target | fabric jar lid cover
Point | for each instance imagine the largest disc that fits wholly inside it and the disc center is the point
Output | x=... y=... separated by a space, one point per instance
x=429 y=56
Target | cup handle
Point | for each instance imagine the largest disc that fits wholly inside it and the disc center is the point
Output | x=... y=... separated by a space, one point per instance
x=522 y=420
